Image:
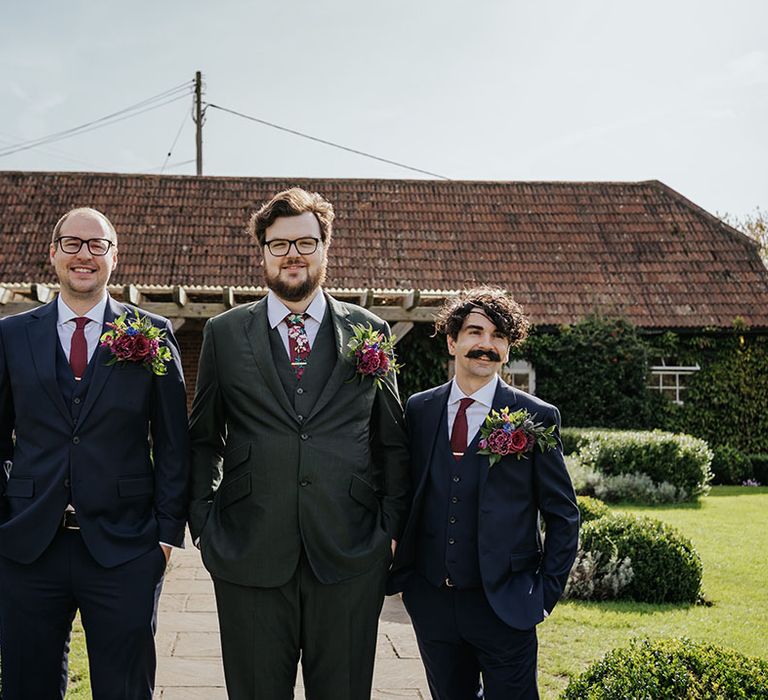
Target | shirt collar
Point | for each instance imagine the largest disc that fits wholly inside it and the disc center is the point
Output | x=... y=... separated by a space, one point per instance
x=277 y=311
x=484 y=395
x=96 y=314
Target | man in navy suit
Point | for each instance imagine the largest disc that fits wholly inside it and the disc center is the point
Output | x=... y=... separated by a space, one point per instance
x=476 y=574
x=94 y=483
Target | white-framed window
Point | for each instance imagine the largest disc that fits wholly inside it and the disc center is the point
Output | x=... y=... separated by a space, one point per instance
x=520 y=374
x=670 y=380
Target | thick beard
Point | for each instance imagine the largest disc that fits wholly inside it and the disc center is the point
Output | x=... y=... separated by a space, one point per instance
x=296 y=292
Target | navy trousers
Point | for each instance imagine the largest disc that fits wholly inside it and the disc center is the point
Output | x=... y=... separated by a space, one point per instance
x=118 y=607
x=461 y=640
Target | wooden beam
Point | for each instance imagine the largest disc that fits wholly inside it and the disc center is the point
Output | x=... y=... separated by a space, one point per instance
x=401 y=329
x=228 y=297
x=366 y=299
x=179 y=295
x=421 y=314
x=42 y=293
x=177 y=322
x=411 y=300
x=132 y=295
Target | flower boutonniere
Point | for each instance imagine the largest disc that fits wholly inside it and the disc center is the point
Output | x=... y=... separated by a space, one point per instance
x=373 y=353
x=137 y=340
x=505 y=433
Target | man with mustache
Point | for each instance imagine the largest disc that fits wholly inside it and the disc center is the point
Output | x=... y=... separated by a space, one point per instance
x=96 y=457
x=299 y=472
x=476 y=574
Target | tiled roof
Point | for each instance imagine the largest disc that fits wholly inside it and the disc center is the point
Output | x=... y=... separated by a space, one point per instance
x=564 y=249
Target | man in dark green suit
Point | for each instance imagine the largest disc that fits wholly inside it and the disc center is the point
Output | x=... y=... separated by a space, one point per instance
x=299 y=472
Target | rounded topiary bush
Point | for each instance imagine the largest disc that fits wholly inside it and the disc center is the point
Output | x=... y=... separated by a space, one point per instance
x=667 y=568
x=677 y=669
x=591 y=508
x=730 y=466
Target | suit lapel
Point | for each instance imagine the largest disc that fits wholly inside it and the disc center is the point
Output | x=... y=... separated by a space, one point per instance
x=504 y=396
x=43 y=336
x=101 y=357
x=342 y=332
x=256 y=329
x=434 y=426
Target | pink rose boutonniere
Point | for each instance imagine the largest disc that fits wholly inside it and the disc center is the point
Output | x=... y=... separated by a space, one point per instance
x=373 y=353
x=137 y=340
x=505 y=433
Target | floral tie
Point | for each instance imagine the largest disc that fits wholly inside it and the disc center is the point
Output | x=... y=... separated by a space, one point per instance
x=298 y=342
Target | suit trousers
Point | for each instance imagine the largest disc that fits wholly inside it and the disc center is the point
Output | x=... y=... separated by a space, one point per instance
x=461 y=639
x=38 y=602
x=332 y=627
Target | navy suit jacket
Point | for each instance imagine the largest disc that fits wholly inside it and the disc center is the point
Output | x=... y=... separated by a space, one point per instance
x=522 y=573
x=123 y=465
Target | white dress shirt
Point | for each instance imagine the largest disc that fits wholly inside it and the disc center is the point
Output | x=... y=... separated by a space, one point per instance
x=65 y=326
x=277 y=311
x=477 y=412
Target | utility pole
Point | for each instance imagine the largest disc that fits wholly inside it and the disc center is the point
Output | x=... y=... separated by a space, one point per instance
x=198 y=119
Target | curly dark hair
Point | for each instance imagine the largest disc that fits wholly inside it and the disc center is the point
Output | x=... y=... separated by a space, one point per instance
x=292 y=202
x=503 y=311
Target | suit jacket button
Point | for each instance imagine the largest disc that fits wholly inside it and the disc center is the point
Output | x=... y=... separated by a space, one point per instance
x=300 y=418
x=304 y=482
x=66 y=483
x=76 y=440
x=452 y=520
x=451 y=540
x=76 y=400
x=455 y=499
x=304 y=436
x=456 y=478
x=300 y=390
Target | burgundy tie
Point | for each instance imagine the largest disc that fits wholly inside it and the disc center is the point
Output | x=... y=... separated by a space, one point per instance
x=298 y=342
x=459 y=432
x=78 y=352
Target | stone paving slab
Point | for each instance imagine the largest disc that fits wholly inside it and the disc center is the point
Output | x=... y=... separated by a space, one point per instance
x=189 y=649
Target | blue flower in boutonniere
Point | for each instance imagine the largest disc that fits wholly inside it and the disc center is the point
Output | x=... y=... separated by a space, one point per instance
x=505 y=433
x=137 y=340
x=373 y=353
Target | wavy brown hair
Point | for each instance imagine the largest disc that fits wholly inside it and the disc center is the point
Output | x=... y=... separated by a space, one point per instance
x=292 y=202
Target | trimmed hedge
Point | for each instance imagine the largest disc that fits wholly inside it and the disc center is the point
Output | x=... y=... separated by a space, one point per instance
x=667 y=567
x=680 y=460
x=591 y=508
x=677 y=669
x=729 y=466
x=760 y=467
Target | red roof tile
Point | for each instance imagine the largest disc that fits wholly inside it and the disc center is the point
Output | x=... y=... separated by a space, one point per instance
x=563 y=249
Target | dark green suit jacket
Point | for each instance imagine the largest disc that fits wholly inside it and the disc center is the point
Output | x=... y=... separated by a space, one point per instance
x=266 y=482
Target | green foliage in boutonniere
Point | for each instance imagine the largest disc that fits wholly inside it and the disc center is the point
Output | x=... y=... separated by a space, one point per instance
x=505 y=433
x=137 y=340
x=373 y=353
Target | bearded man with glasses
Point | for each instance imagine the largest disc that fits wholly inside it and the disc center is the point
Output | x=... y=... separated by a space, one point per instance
x=299 y=472
x=94 y=484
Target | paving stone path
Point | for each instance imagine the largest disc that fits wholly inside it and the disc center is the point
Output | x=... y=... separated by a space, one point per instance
x=189 y=655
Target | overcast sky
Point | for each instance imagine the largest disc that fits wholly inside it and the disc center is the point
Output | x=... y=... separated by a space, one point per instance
x=489 y=90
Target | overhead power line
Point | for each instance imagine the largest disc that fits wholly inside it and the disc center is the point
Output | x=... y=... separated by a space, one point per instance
x=151 y=103
x=324 y=141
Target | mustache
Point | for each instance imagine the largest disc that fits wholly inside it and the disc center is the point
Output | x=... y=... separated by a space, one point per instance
x=492 y=355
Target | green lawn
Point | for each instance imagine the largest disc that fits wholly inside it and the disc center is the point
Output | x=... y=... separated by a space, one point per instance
x=730 y=531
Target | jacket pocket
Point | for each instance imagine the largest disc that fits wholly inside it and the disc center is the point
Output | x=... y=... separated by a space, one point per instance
x=236 y=456
x=364 y=493
x=234 y=491
x=136 y=486
x=20 y=488
x=524 y=561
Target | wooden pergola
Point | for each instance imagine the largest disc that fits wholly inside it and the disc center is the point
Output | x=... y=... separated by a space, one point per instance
x=402 y=308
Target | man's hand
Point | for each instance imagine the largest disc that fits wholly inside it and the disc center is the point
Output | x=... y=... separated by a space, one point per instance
x=394 y=547
x=167 y=551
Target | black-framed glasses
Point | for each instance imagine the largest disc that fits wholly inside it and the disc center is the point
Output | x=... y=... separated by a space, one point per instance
x=280 y=247
x=72 y=245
